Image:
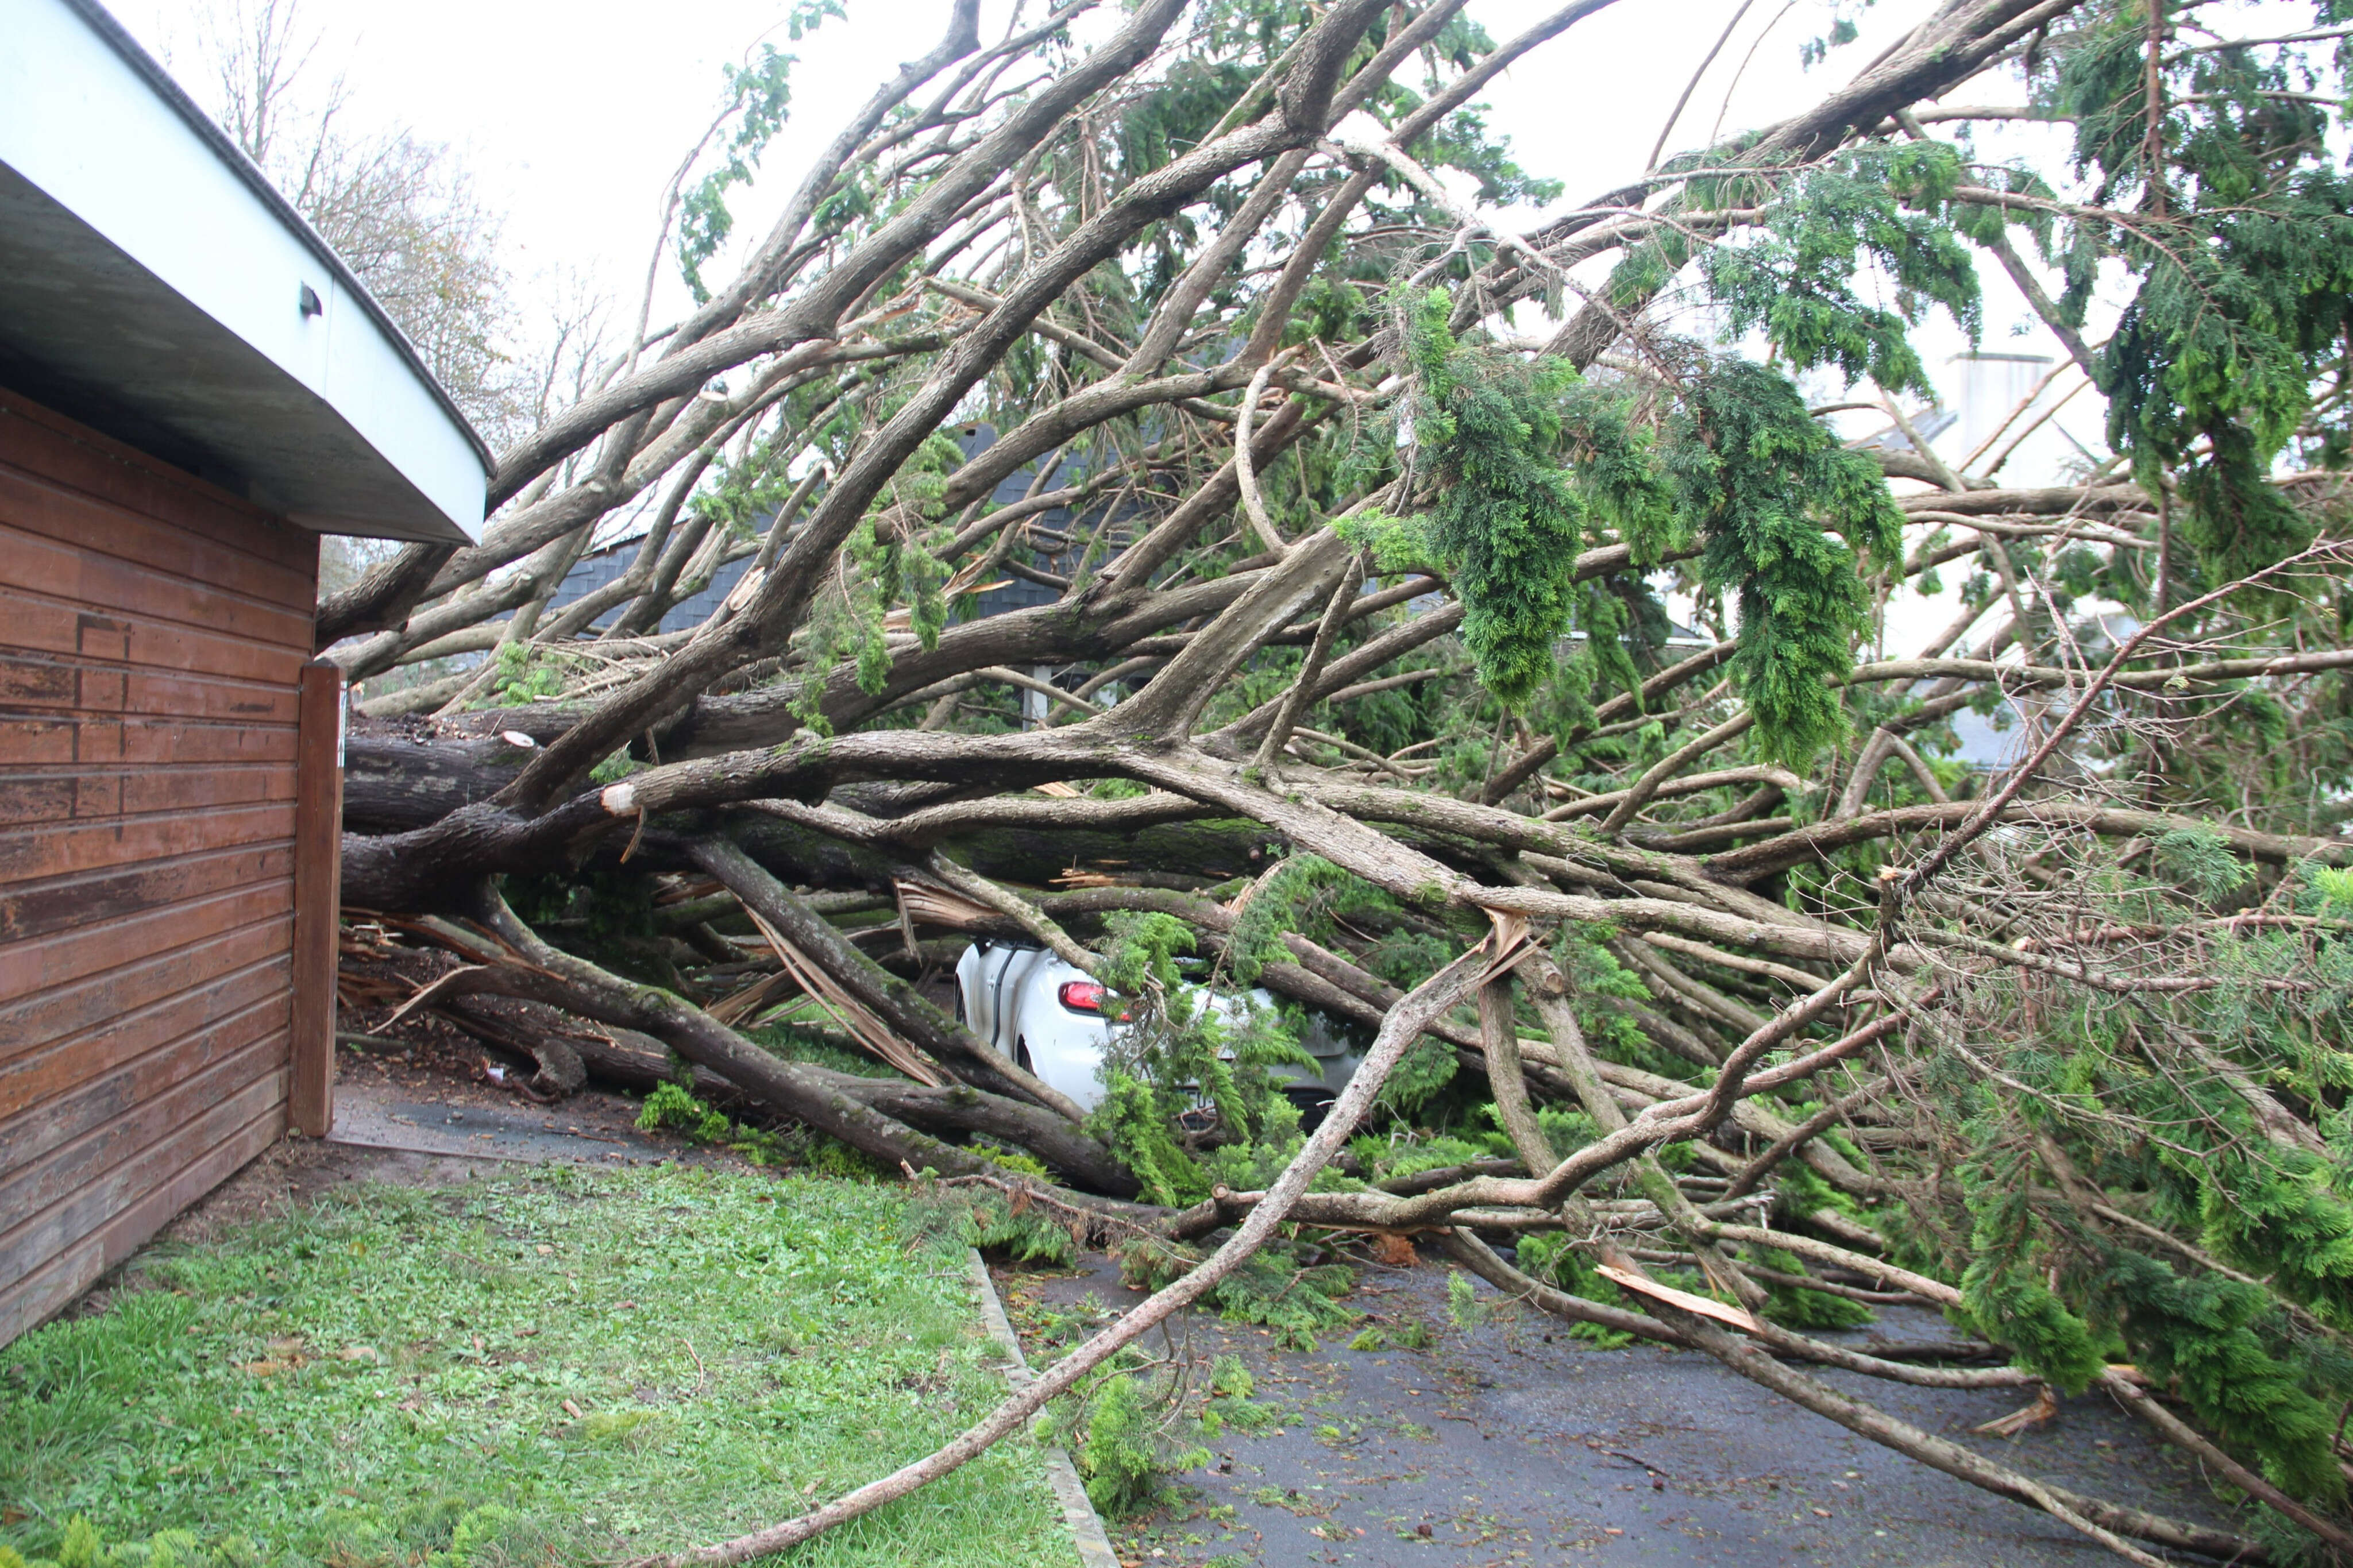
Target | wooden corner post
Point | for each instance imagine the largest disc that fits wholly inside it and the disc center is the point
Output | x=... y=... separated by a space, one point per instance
x=318 y=894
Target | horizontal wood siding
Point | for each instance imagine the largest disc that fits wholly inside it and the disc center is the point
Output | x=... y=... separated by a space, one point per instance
x=152 y=631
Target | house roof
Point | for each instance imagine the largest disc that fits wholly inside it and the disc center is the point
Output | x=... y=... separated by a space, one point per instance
x=156 y=284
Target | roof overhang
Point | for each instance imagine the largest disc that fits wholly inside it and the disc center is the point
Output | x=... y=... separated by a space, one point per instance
x=155 y=286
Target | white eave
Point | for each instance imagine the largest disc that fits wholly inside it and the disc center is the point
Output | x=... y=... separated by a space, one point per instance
x=155 y=285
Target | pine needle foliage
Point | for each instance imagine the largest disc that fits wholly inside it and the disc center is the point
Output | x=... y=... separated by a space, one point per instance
x=1290 y=1287
x=2202 y=1336
x=1796 y=280
x=83 y=1546
x=2249 y=1335
x=1119 y=1456
x=2241 y=247
x=2012 y=1308
x=1526 y=463
x=888 y=562
x=1506 y=521
x=1190 y=1098
x=1786 y=516
x=1796 y=1307
x=1301 y=894
x=1553 y=1259
x=948 y=1219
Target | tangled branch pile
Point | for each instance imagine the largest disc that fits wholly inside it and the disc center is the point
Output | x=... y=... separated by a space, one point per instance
x=1354 y=656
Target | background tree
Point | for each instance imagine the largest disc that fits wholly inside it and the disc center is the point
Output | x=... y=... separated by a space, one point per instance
x=401 y=212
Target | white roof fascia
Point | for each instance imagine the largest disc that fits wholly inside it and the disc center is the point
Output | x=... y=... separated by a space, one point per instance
x=90 y=119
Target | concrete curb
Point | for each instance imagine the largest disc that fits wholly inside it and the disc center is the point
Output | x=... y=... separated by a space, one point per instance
x=1086 y=1526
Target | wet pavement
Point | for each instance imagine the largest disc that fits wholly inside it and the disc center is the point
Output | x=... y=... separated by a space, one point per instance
x=588 y=1128
x=1504 y=1441
x=1509 y=1442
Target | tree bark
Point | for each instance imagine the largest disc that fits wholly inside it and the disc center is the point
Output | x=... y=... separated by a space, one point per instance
x=835 y=1104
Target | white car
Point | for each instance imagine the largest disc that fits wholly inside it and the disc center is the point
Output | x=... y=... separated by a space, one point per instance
x=1047 y=1015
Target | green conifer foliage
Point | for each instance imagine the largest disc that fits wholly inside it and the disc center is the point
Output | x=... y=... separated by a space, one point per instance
x=1795 y=280
x=2243 y=252
x=1297 y=895
x=1176 y=1062
x=2012 y=1308
x=1120 y=1455
x=1785 y=515
x=1527 y=463
x=2199 y=1335
x=1506 y=521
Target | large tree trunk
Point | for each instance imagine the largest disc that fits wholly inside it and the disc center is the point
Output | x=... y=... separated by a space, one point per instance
x=862 y=1112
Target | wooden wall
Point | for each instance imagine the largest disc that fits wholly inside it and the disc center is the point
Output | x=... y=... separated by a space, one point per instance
x=152 y=630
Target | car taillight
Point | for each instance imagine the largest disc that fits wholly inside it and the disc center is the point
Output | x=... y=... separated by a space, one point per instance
x=1084 y=996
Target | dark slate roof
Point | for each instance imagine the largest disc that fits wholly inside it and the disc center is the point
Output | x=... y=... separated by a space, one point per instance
x=1930 y=424
x=594 y=571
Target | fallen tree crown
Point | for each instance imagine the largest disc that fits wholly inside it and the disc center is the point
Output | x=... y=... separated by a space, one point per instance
x=1352 y=653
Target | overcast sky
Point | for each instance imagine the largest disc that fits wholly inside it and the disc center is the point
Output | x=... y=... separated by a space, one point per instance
x=572 y=114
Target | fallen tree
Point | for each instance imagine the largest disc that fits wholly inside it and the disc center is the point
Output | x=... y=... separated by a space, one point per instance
x=1357 y=658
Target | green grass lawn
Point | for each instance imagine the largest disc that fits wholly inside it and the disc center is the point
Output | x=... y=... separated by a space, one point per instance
x=552 y=1368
